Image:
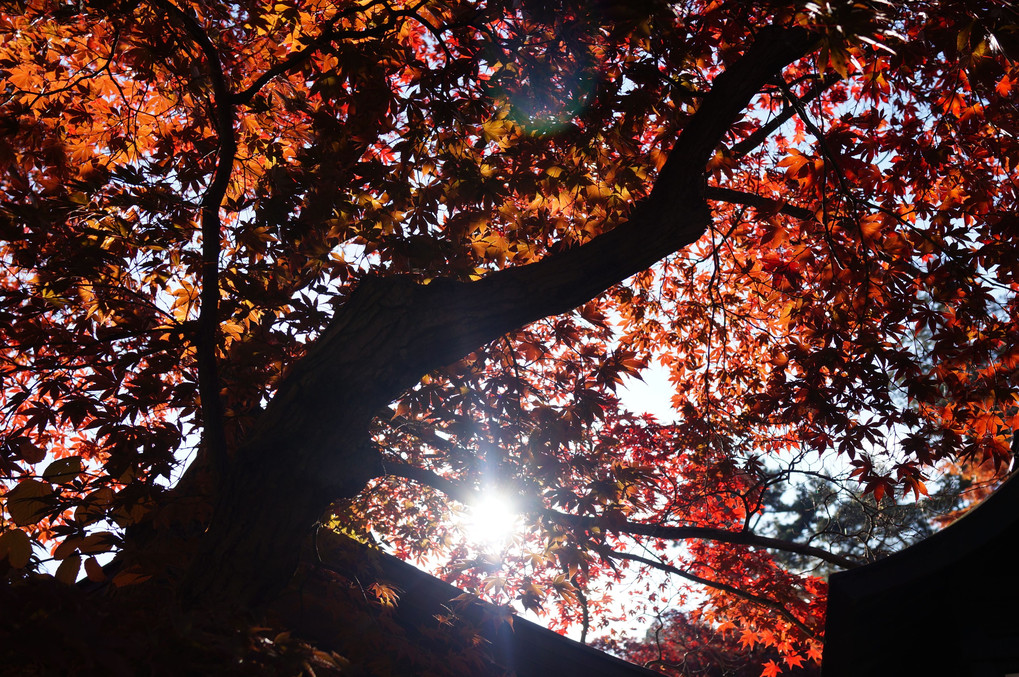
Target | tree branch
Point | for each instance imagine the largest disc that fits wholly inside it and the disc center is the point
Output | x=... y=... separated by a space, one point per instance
x=208 y=317
x=294 y=60
x=609 y=553
x=327 y=35
x=761 y=134
x=392 y=330
x=760 y=202
x=455 y=318
x=746 y=538
x=308 y=449
x=529 y=505
x=826 y=152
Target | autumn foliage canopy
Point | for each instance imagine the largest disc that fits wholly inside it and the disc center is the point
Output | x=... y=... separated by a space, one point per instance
x=356 y=265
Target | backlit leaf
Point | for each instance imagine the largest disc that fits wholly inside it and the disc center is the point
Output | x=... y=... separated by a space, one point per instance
x=68 y=570
x=62 y=470
x=94 y=571
x=29 y=501
x=16 y=546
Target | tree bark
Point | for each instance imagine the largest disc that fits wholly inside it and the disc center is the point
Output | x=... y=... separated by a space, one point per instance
x=310 y=446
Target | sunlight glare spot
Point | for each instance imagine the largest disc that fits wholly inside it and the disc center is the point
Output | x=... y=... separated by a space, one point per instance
x=491 y=523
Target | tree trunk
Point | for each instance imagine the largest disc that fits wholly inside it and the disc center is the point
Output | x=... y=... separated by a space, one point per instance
x=311 y=448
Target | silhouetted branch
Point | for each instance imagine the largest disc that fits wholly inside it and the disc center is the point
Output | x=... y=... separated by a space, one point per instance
x=751 y=200
x=208 y=317
x=469 y=496
x=760 y=135
x=778 y=608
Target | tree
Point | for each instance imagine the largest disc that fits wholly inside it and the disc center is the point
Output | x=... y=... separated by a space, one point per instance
x=352 y=260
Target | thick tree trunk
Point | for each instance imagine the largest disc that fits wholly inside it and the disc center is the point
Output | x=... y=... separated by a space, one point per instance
x=310 y=447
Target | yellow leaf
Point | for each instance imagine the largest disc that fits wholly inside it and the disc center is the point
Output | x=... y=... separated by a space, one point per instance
x=233 y=329
x=839 y=60
x=495 y=129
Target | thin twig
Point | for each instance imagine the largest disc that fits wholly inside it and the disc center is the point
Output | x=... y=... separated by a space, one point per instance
x=760 y=135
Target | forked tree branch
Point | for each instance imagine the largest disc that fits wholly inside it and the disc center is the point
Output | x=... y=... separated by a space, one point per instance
x=533 y=506
x=415 y=328
x=829 y=155
x=761 y=134
x=308 y=450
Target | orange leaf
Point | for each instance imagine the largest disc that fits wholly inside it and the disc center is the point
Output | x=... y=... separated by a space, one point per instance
x=23 y=77
x=1004 y=86
x=793 y=660
x=870 y=226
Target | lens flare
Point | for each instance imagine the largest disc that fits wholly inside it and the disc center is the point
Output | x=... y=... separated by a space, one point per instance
x=491 y=523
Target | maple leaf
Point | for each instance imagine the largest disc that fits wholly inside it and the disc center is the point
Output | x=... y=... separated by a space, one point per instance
x=793 y=660
x=771 y=668
x=25 y=77
x=726 y=626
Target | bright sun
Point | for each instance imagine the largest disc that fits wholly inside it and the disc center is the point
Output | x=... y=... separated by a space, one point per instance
x=491 y=522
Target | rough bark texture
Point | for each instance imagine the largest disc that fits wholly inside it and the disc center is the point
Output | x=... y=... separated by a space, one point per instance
x=310 y=449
